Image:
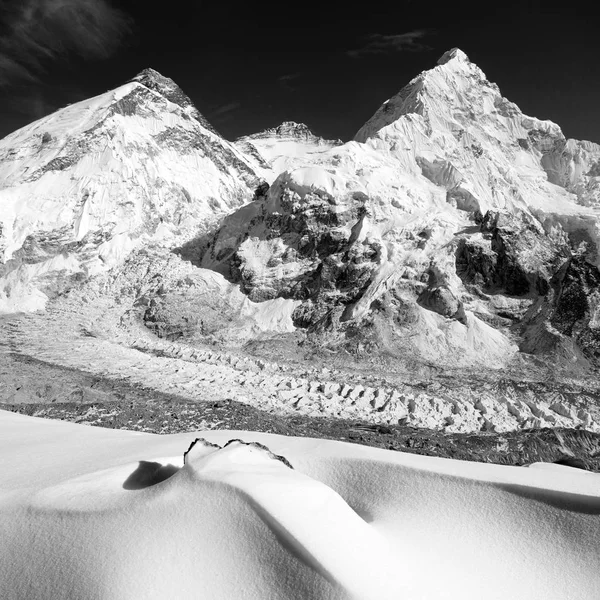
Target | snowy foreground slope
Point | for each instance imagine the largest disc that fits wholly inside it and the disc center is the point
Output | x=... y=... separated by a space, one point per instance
x=81 y=518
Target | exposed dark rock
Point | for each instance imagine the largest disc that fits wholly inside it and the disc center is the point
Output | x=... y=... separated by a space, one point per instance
x=440 y=300
x=526 y=258
x=476 y=263
x=167 y=88
x=565 y=323
x=577 y=305
x=319 y=234
x=260 y=193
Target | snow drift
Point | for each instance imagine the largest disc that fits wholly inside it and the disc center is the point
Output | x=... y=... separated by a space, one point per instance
x=88 y=512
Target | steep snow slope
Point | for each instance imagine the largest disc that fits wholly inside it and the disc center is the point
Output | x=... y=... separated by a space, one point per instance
x=280 y=148
x=89 y=512
x=82 y=187
x=462 y=135
x=438 y=228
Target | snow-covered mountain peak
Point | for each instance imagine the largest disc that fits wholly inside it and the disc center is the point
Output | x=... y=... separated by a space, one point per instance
x=83 y=186
x=454 y=86
x=167 y=88
x=284 y=147
x=292 y=129
x=453 y=54
x=451 y=118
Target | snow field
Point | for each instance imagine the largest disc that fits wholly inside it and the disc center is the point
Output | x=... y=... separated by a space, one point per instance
x=347 y=521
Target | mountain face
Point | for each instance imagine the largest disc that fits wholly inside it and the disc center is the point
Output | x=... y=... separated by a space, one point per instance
x=84 y=186
x=453 y=228
x=281 y=148
x=442 y=266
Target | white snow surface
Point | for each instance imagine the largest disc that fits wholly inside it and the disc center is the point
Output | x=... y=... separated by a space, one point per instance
x=79 y=518
x=281 y=148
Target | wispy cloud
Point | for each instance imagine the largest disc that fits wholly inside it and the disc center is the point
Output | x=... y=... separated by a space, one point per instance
x=35 y=32
x=41 y=99
x=285 y=80
x=378 y=43
x=225 y=109
x=224 y=113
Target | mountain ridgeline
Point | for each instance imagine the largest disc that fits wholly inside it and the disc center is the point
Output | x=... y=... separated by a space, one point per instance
x=453 y=230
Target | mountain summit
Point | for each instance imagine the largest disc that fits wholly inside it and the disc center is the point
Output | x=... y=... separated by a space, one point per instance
x=281 y=148
x=288 y=129
x=453 y=54
x=81 y=187
x=167 y=88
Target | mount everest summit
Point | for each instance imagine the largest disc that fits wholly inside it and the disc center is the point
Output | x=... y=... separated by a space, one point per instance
x=452 y=231
x=84 y=186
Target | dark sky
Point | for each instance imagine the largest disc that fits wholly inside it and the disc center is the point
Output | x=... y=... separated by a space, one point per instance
x=251 y=65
